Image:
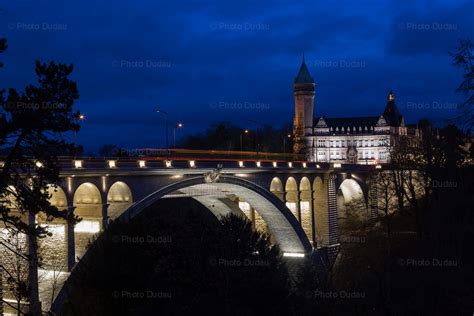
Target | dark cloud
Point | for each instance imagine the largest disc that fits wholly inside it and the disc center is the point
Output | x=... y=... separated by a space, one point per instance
x=201 y=59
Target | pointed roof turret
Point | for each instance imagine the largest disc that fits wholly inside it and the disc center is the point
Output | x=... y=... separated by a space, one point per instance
x=303 y=74
x=391 y=113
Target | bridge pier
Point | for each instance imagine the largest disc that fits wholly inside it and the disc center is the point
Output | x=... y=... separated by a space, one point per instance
x=70 y=240
x=105 y=216
x=313 y=221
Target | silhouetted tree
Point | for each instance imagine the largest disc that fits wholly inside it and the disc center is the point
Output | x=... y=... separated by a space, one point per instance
x=32 y=125
x=464 y=58
x=201 y=265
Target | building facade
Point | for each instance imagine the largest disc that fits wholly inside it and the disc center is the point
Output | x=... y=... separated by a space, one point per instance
x=361 y=140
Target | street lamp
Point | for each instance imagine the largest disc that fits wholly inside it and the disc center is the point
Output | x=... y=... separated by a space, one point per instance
x=241 y=142
x=80 y=117
x=256 y=135
x=165 y=114
x=178 y=125
x=284 y=142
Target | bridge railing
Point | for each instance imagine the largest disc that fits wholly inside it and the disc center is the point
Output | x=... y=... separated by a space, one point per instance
x=172 y=162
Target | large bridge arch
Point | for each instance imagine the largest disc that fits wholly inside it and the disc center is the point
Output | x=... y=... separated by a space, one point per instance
x=285 y=228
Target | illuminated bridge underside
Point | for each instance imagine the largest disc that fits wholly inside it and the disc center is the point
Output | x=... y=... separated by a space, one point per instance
x=283 y=225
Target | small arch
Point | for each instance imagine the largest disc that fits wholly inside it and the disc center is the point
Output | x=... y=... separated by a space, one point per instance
x=350 y=190
x=88 y=202
x=291 y=185
x=350 y=194
x=120 y=198
x=87 y=193
x=57 y=196
x=9 y=198
x=305 y=185
x=119 y=192
x=276 y=187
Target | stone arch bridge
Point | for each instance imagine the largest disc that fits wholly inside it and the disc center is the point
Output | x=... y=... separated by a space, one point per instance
x=297 y=202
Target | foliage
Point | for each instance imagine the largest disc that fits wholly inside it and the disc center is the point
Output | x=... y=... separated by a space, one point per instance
x=195 y=262
x=463 y=58
x=33 y=123
x=227 y=136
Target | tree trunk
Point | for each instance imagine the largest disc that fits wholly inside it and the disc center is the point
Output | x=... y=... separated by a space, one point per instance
x=33 y=291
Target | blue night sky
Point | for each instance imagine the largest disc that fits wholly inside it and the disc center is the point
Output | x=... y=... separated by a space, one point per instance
x=207 y=61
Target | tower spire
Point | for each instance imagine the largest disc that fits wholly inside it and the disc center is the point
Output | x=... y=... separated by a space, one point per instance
x=303 y=74
x=391 y=96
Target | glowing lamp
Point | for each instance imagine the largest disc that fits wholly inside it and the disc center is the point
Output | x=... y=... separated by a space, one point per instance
x=293 y=254
x=77 y=164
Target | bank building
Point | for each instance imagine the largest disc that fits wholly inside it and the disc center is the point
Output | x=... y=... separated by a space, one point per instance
x=360 y=140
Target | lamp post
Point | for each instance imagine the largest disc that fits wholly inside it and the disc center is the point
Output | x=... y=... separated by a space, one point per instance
x=284 y=142
x=178 y=125
x=256 y=135
x=241 y=141
x=80 y=117
x=165 y=114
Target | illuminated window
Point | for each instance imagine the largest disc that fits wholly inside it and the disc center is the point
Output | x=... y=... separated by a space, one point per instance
x=142 y=163
x=168 y=163
x=77 y=164
x=192 y=163
x=241 y=164
x=275 y=164
x=112 y=163
x=258 y=164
